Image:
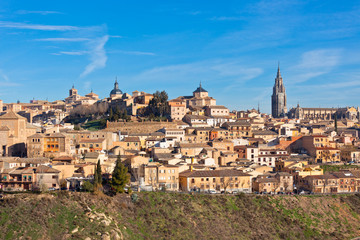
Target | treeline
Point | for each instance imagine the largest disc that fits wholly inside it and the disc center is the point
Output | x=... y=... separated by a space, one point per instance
x=158 y=107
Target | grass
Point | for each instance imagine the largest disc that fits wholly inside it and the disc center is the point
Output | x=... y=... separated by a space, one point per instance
x=336 y=168
x=95 y=125
x=159 y=215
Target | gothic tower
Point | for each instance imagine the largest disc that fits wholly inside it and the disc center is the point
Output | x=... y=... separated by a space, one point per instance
x=278 y=98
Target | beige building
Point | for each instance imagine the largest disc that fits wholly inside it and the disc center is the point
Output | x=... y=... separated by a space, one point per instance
x=219 y=180
x=177 y=109
x=14 y=128
x=160 y=176
x=216 y=111
x=200 y=98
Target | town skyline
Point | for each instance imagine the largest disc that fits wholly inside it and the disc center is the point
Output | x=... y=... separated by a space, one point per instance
x=233 y=50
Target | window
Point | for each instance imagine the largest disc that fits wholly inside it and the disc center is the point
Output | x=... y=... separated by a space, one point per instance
x=192 y=180
x=202 y=179
x=207 y=179
x=214 y=179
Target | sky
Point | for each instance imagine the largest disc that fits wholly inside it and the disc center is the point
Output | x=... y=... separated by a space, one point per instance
x=232 y=47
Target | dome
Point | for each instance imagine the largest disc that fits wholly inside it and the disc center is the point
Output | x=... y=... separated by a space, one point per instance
x=200 y=89
x=116 y=90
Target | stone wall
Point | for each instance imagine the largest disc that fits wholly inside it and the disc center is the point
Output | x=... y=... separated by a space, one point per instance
x=139 y=127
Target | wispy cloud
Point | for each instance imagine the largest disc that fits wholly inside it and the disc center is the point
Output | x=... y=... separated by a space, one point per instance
x=72 y=53
x=133 y=52
x=42 y=27
x=97 y=55
x=321 y=58
x=229 y=72
x=224 y=18
x=62 y=39
x=314 y=64
x=37 y=12
x=5 y=81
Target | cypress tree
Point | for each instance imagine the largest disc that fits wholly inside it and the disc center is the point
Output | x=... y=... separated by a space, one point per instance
x=120 y=176
x=335 y=123
x=99 y=174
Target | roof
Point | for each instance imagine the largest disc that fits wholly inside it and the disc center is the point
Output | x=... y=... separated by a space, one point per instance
x=213 y=173
x=200 y=89
x=264 y=132
x=131 y=139
x=237 y=123
x=217 y=107
x=46 y=169
x=11 y=115
x=96 y=140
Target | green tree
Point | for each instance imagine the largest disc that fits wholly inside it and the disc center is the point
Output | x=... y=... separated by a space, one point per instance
x=120 y=176
x=97 y=176
x=335 y=123
x=88 y=186
x=111 y=114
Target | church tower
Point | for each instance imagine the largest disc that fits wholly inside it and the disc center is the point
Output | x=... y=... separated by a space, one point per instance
x=278 y=98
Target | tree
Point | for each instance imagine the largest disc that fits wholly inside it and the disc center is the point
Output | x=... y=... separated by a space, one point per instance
x=120 y=176
x=88 y=186
x=335 y=123
x=97 y=176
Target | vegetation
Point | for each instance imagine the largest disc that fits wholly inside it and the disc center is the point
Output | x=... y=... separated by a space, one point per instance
x=120 y=177
x=88 y=186
x=158 y=108
x=336 y=168
x=97 y=176
x=158 y=215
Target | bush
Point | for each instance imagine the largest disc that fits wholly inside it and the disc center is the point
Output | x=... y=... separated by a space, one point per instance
x=88 y=186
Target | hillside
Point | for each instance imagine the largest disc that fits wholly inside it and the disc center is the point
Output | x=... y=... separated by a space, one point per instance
x=160 y=215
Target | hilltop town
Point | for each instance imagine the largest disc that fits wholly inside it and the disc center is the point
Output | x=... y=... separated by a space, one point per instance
x=187 y=144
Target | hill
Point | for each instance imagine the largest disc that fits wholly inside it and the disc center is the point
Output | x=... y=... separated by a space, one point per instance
x=157 y=215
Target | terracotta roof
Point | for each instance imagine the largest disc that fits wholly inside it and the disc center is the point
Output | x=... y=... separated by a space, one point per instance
x=213 y=173
x=46 y=169
x=97 y=140
x=11 y=115
x=132 y=139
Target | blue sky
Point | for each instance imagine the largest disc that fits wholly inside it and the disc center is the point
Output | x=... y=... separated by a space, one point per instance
x=232 y=47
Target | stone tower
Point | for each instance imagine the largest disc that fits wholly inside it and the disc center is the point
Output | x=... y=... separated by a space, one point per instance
x=278 y=98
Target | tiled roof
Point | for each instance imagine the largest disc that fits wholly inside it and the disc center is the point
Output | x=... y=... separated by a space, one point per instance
x=213 y=173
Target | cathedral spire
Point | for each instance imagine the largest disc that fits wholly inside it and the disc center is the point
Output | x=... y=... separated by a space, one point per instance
x=278 y=98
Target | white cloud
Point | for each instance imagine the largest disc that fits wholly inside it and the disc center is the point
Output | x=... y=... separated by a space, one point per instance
x=133 y=52
x=321 y=58
x=37 y=12
x=62 y=39
x=5 y=81
x=72 y=53
x=224 y=18
x=97 y=55
x=230 y=73
x=314 y=64
x=42 y=27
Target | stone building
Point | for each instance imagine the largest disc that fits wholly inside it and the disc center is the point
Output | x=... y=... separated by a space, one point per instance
x=200 y=98
x=278 y=98
x=349 y=113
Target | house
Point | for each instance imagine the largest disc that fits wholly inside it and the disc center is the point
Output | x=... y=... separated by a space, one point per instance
x=273 y=183
x=160 y=176
x=220 y=180
x=29 y=178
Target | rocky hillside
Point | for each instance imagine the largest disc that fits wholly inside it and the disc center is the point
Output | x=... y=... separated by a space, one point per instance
x=160 y=215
